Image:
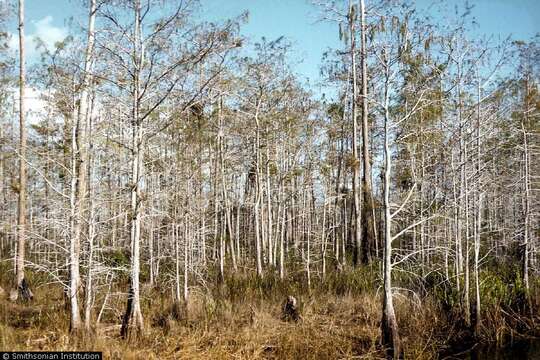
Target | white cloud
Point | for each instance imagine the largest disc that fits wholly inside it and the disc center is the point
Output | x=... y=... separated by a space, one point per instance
x=49 y=33
x=43 y=30
x=46 y=32
x=37 y=107
x=35 y=104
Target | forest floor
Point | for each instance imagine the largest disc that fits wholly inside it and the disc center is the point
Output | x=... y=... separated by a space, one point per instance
x=241 y=319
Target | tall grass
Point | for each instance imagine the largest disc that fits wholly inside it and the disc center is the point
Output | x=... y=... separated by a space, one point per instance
x=239 y=317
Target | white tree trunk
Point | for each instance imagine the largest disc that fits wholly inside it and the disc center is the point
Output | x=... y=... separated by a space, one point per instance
x=21 y=208
x=133 y=316
x=79 y=172
x=389 y=327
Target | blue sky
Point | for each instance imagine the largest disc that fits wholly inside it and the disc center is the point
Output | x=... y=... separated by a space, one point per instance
x=295 y=19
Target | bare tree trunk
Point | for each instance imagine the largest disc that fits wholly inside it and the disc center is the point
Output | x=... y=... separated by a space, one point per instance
x=79 y=170
x=237 y=232
x=151 y=252
x=457 y=227
x=21 y=208
x=268 y=201
x=477 y=261
x=526 y=183
x=102 y=309
x=175 y=237
x=222 y=246
x=75 y=233
x=258 y=196
x=186 y=258
x=389 y=327
x=307 y=234
x=91 y=231
x=463 y=198
x=281 y=242
x=368 y=226
x=356 y=166
x=324 y=243
x=227 y=209
x=89 y=276
x=479 y=200
x=133 y=316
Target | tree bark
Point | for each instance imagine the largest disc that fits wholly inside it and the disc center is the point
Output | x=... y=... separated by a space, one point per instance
x=133 y=316
x=79 y=172
x=21 y=208
x=258 y=195
x=356 y=161
x=368 y=226
x=389 y=327
x=526 y=195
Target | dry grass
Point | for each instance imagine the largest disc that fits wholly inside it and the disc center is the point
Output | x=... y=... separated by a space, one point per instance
x=331 y=327
x=238 y=324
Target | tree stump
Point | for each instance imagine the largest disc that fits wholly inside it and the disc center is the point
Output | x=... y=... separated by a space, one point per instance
x=24 y=290
x=289 y=310
x=178 y=311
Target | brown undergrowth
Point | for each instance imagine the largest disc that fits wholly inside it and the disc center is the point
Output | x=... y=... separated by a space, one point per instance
x=240 y=319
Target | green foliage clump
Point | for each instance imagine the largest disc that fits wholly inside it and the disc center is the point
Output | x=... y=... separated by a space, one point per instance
x=361 y=280
x=116 y=258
